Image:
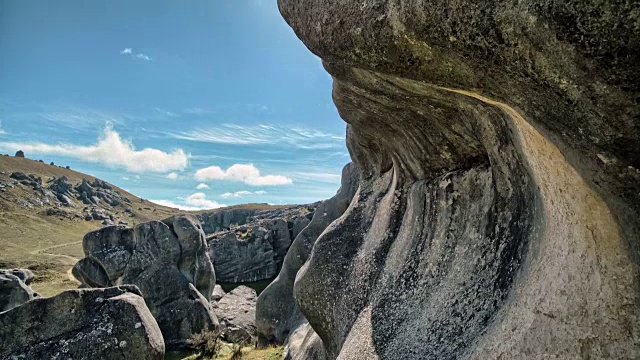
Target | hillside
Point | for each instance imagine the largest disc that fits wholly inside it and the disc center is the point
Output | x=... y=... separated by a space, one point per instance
x=44 y=217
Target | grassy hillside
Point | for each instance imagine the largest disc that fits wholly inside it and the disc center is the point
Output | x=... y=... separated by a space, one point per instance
x=51 y=244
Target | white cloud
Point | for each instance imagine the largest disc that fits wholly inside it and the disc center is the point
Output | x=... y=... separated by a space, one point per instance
x=202 y=186
x=239 y=194
x=236 y=194
x=246 y=173
x=319 y=176
x=172 y=176
x=112 y=151
x=129 y=52
x=197 y=201
x=264 y=135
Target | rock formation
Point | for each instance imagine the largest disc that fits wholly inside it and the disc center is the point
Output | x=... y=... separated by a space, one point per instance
x=14 y=288
x=236 y=312
x=167 y=260
x=112 y=323
x=277 y=315
x=19 y=154
x=498 y=208
x=255 y=251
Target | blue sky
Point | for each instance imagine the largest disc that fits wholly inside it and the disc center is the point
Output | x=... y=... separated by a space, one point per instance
x=214 y=102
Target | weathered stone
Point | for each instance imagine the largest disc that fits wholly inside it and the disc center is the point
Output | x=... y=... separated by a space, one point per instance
x=277 y=314
x=237 y=312
x=170 y=264
x=14 y=288
x=497 y=214
x=19 y=154
x=112 y=323
x=25 y=275
x=218 y=293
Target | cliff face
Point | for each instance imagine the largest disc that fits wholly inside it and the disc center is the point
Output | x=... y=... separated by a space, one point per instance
x=498 y=207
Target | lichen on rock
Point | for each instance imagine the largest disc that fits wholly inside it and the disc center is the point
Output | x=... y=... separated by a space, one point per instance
x=497 y=214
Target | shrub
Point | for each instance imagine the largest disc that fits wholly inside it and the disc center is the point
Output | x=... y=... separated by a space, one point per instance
x=207 y=343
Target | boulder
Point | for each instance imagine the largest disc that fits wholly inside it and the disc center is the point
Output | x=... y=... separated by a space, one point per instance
x=168 y=260
x=497 y=214
x=236 y=312
x=255 y=251
x=218 y=293
x=19 y=176
x=19 y=154
x=243 y=254
x=25 y=275
x=14 y=288
x=112 y=323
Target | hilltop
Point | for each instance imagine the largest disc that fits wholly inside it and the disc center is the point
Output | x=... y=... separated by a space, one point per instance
x=45 y=211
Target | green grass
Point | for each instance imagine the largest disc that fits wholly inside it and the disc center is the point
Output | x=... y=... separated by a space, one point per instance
x=248 y=353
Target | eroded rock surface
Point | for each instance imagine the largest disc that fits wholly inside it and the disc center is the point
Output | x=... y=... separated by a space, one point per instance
x=498 y=210
x=112 y=323
x=236 y=312
x=14 y=288
x=168 y=260
x=255 y=251
x=277 y=314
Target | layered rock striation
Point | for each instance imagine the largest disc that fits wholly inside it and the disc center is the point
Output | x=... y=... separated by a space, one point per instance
x=498 y=206
x=255 y=250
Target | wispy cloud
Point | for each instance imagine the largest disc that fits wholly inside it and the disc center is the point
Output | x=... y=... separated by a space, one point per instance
x=111 y=150
x=202 y=186
x=242 y=193
x=264 y=135
x=172 y=176
x=132 y=54
x=197 y=201
x=319 y=176
x=246 y=173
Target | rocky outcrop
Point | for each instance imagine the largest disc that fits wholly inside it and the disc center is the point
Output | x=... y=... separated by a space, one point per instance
x=277 y=314
x=498 y=210
x=14 y=288
x=19 y=154
x=168 y=260
x=112 y=323
x=93 y=193
x=255 y=251
x=236 y=312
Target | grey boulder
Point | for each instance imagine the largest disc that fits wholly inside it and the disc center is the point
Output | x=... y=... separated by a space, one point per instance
x=14 y=288
x=237 y=312
x=112 y=323
x=167 y=260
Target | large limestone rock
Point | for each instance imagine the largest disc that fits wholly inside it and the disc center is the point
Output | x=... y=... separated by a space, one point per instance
x=112 y=323
x=14 y=288
x=277 y=314
x=168 y=260
x=236 y=312
x=256 y=251
x=498 y=211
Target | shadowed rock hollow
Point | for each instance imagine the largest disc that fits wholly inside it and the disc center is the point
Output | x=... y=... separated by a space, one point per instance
x=497 y=212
